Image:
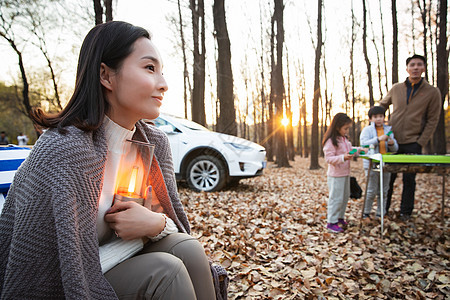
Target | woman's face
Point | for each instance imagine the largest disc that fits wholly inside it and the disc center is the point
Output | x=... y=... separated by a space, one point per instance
x=137 y=89
x=343 y=131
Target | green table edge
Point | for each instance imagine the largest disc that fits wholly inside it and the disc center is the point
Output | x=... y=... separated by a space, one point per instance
x=414 y=159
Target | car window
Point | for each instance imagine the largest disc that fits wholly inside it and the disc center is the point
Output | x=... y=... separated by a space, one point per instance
x=160 y=122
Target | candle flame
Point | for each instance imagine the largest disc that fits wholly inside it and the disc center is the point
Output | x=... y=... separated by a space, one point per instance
x=133 y=178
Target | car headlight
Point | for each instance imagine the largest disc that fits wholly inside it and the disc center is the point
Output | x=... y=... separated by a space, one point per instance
x=239 y=146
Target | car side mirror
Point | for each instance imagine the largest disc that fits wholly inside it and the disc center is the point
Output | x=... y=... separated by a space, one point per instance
x=167 y=129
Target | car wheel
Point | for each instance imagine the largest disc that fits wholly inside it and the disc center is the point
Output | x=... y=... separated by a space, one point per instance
x=206 y=173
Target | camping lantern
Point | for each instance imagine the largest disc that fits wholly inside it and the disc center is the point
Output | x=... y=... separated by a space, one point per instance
x=132 y=183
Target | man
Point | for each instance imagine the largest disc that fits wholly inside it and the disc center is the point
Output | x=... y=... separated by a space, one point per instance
x=3 y=138
x=417 y=106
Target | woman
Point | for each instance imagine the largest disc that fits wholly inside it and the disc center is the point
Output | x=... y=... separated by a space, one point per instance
x=58 y=209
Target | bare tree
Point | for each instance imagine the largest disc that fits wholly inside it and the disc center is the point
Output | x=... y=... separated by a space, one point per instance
x=352 y=71
x=413 y=33
x=99 y=9
x=270 y=119
x=366 y=56
x=394 y=42
x=288 y=109
x=198 y=33
x=303 y=126
x=380 y=86
x=439 y=141
x=186 y=84
x=262 y=133
x=431 y=43
x=243 y=121
x=108 y=10
x=278 y=86
x=8 y=35
x=38 y=30
x=328 y=100
x=346 y=95
x=423 y=14
x=384 y=45
x=226 y=122
x=314 y=162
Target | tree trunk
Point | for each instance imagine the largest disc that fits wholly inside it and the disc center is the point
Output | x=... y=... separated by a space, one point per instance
x=255 y=116
x=185 y=69
x=262 y=125
x=366 y=57
x=270 y=119
x=413 y=34
x=299 y=131
x=352 y=72
x=384 y=46
x=108 y=10
x=281 y=153
x=305 y=128
x=227 y=115
x=314 y=162
x=302 y=126
x=423 y=13
x=394 y=42
x=380 y=86
x=288 y=107
x=439 y=139
x=98 y=10
x=346 y=95
x=198 y=91
x=433 y=77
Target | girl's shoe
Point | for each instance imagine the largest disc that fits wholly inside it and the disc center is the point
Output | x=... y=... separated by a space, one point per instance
x=342 y=222
x=334 y=227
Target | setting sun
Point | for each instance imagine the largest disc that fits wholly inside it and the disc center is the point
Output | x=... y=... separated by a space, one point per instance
x=285 y=121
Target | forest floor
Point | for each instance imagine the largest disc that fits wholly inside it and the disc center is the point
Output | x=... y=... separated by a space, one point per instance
x=269 y=233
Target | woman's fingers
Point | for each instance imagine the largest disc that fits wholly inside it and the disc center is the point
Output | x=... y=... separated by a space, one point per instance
x=119 y=206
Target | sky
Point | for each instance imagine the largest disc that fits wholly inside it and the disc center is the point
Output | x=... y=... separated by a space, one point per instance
x=243 y=20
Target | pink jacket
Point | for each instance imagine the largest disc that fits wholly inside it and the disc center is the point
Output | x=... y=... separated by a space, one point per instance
x=334 y=156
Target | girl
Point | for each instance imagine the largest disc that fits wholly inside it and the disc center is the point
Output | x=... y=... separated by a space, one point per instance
x=336 y=148
x=58 y=209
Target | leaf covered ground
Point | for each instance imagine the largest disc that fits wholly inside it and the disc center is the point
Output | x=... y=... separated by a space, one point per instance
x=269 y=233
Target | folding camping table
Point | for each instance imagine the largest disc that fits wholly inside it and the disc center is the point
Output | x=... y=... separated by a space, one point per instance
x=407 y=163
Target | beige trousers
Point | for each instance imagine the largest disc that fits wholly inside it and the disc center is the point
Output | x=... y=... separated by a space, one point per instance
x=175 y=267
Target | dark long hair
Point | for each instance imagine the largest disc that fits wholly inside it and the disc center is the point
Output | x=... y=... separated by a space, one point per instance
x=339 y=120
x=109 y=43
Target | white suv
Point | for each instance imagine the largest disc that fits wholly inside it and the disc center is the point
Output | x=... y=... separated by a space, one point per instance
x=207 y=160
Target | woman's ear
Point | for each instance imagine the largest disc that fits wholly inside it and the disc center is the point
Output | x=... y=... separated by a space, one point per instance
x=105 y=76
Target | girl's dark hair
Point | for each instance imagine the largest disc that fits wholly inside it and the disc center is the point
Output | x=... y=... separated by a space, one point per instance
x=109 y=43
x=339 y=120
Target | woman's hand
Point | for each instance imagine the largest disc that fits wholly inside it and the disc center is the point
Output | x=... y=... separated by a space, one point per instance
x=131 y=220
